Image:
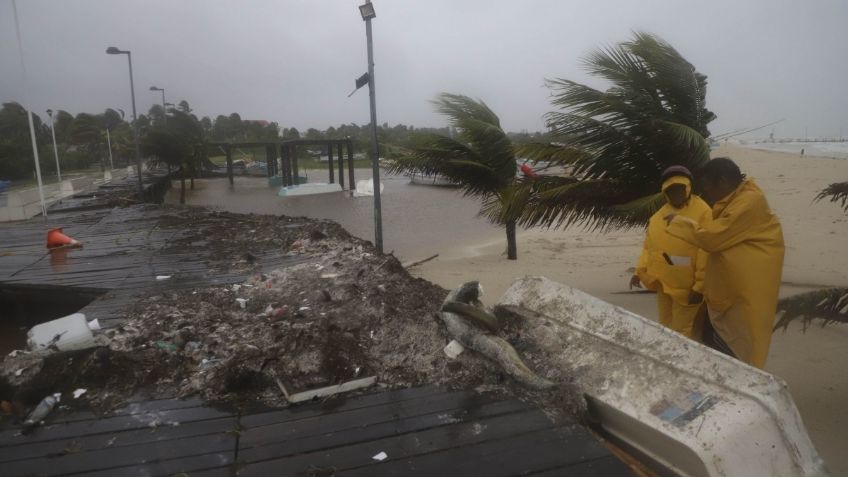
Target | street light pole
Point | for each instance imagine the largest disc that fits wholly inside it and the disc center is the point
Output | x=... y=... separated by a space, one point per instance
x=164 y=109
x=55 y=151
x=29 y=111
x=115 y=51
x=367 y=12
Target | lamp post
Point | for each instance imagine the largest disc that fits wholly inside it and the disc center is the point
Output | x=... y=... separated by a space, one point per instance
x=115 y=51
x=367 y=12
x=55 y=151
x=164 y=111
x=29 y=111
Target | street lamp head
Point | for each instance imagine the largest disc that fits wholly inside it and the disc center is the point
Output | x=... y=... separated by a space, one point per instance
x=367 y=11
x=112 y=50
x=154 y=88
x=50 y=112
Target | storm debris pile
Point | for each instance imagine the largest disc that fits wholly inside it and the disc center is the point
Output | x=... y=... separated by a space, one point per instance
x=343 y=313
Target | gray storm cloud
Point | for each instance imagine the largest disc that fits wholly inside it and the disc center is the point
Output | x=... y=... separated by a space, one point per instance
x=294 y=62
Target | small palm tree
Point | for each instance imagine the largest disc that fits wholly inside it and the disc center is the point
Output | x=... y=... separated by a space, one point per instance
x=480 y=159
x=828 y=305
x=837 y=192
x=617 y=141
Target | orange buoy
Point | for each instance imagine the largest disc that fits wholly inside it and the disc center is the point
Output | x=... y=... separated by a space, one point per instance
x=57 y=239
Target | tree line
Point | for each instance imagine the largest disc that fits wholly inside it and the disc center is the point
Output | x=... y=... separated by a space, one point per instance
x=83 y=140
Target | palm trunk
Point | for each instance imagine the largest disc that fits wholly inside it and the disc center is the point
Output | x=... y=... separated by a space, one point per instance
x=511 y=245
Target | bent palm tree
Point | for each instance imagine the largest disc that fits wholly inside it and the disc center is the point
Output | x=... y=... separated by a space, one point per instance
x=837 y=192
x=828 y=305
x=480 y=159
x=617 y=141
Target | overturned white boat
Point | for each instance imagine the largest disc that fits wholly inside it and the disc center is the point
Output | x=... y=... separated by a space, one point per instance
x=308 y=189
x=682 y=408
x=433 y=180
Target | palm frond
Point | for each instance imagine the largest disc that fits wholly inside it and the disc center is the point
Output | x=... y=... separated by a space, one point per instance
x=837 y=192
x=617 y=141
x=480 y=158
x=829 y=306
x=558 y=154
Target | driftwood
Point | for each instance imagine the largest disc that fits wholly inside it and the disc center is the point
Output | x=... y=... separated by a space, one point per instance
x=493 y=347
x=419 y=262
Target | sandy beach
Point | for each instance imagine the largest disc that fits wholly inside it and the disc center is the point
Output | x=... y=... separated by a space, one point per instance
x=420 y=221
x=812 y=363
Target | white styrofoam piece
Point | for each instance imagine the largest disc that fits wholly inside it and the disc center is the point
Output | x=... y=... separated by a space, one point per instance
x=66 y=333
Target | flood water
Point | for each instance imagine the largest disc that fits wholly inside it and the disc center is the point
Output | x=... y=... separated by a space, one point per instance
x=418 y=220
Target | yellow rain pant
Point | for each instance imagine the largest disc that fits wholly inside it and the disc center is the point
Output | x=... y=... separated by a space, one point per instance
x=674 y=282
x=745 y=246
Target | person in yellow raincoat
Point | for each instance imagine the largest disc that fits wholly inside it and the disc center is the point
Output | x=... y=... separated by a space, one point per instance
x=745 y=246
x=670 y=266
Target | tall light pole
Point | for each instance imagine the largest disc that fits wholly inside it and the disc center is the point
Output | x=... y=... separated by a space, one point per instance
x=115 y=51
x=367 y=12
x=164 y=110
x=28 y=111
x=55 y=151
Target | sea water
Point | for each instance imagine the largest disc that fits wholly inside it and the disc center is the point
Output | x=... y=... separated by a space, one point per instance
x=837 y=150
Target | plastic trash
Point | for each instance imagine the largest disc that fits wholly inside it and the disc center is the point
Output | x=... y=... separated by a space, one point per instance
x=79 y=392
x=94 y=325
x=454 y=349
x=365 y=188
x=67 y=333
x=241 y=302
x=380 y=457
x=42 y=410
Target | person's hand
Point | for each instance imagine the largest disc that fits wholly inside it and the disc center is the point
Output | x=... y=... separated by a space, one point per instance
x=695 y=298
x=634 y=282
x=668 y=218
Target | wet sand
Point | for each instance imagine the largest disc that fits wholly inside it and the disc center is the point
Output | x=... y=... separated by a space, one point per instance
x=420 y=221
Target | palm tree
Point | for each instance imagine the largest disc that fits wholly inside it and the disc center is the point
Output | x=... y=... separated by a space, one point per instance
x=616 y=142
x=829 y=305
x=480 y=159
x=837 y=192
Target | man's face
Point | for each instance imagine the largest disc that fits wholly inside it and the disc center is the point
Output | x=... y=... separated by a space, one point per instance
x=714 y=191
x=676 y=194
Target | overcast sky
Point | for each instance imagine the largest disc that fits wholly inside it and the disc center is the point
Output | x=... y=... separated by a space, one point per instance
x=295 y=61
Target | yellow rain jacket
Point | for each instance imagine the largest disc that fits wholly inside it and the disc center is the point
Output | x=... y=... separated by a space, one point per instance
x=685 y=273
x=745 y=246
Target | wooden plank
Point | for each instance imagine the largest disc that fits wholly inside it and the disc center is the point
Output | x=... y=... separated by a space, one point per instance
x=338 y=404
x=604 y=466
x=446 y=406
x=109 y=424
x=112 y=440
x=408 y=438
x=331 y=390
x=517 y=454
x=222 y=445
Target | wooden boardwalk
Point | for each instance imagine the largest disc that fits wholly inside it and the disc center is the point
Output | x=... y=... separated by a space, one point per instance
x=125 y=250
x=423 y=431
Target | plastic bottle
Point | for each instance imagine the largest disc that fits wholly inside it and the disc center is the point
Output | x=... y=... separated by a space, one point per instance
x=42 y=410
